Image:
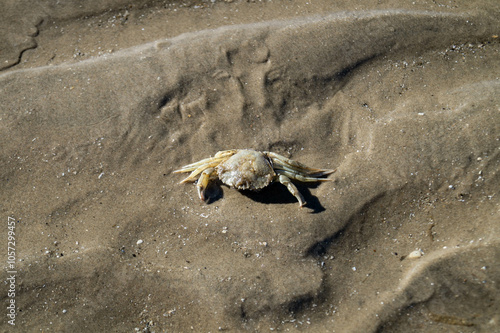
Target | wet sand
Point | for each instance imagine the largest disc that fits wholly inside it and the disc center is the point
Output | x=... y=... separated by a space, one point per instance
x=101 y=103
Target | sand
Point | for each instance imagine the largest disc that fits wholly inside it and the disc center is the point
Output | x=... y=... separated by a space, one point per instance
x=102 y=101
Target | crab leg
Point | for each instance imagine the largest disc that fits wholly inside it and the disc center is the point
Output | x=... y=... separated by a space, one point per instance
x=305 y=179
x=220 y=156
x=226 y=153
x=292 y=189
x=196 y=172
x=200 y=166
x=286 y=164
x=196 y=165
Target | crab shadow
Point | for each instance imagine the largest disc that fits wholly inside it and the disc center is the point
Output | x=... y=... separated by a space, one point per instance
x=272 y=194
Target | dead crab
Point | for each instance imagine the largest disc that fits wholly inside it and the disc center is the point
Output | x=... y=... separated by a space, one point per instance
x=247 y=169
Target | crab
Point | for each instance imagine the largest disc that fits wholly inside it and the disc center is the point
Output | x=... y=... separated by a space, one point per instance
x=247 y=169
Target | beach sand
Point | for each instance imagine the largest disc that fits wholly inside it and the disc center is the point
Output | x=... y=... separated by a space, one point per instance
x=102 y=101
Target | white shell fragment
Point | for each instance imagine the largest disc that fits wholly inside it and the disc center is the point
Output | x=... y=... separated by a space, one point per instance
x=415 y=254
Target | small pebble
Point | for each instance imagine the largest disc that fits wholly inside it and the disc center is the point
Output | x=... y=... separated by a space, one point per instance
x=140 y=241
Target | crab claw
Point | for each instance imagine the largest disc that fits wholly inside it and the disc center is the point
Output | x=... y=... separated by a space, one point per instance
x=203 y=182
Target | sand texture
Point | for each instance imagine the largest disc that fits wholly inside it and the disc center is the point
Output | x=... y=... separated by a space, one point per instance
x=401 y=98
